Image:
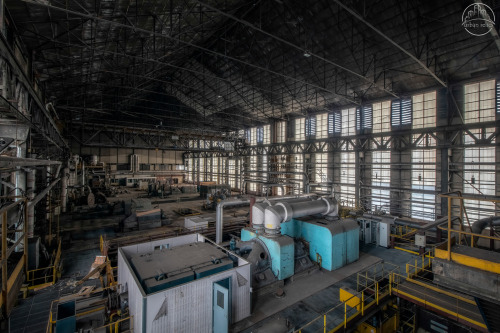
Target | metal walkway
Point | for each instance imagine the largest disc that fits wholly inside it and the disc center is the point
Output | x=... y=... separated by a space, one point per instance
x=446 y=303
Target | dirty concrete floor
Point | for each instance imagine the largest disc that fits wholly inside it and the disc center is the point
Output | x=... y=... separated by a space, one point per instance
x=308 y=298
x=305 y=298
x=32 y=314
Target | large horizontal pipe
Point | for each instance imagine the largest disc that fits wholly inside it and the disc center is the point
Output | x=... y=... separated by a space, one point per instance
x=258 y=211
x=285 y=211
x=12 y=162
x=219 y=211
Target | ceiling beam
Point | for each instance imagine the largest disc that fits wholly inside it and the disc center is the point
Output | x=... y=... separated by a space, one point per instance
x=360 y=18
x=301 y=49
x=136 y=29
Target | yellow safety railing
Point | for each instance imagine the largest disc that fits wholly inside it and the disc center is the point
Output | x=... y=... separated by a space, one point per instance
x=403 y=231
x=431 y=298
x=413 y=269
x=114 y=327
x=373 y=290
x=463 y=212
x=372 y=293
x=49 y=277
x=52 y=315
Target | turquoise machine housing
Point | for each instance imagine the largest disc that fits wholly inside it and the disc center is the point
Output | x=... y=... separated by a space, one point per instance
x=281 y=251
x=336 y=242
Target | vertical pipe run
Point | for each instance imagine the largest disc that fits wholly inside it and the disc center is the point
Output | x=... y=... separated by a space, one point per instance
x=252 y=202
x=4 y=263
x=64 y=190
x=30 y=187
x=449 y=230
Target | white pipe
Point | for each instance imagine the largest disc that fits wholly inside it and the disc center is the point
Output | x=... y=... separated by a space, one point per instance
x=285 y=211
x=219 y=211
x=258 y=210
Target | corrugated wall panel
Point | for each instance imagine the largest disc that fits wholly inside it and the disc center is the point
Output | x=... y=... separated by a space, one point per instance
x=189 y=306
x=135 y=298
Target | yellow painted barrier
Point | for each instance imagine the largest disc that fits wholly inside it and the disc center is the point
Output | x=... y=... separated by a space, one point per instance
x=350 y=297
x=469 y=261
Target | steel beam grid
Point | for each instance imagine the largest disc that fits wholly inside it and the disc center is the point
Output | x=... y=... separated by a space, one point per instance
x=11 y=281
x=136 y=29
x=39 y=119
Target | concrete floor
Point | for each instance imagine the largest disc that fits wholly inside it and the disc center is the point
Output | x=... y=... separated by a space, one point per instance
x=310 y=297
x=31 y=315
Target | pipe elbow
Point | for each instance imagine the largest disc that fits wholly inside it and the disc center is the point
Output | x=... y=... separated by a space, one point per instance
x=258 y=214
x=332 y=207
x=273 y=219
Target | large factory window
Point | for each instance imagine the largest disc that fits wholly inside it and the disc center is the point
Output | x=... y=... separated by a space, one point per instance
x=424 y=110
x=222 y=170
x=260 y=135
x=321 y=171
x=479 y=102
x=208 y=166
x=298 y=168
x=253 y=136
x=364 y=117
x=263 y=166
x=201 y=168
x=281 y=132
x=267 y=134
x=281 y=165
x=252 y=186
x=231 y=170
x=381 y=181
x=215 y=170
x=334 y=123
x=311 y=127
x=423 y=184
x=322 y=126
x=348 y=122
x=381 y=117
x=479 y=175
x=347 y=178
x=401 y=113
x=300 y=129
x=190 y=169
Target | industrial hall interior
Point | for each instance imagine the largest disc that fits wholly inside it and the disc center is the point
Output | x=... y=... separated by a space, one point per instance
x=264 y=166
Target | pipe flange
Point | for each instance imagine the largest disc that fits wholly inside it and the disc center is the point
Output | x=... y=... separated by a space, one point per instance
x=288 y=211
x=328 y=206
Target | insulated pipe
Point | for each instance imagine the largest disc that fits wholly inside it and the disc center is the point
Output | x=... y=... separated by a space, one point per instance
x=252 y=203
x=219 y=211
x=284 y=211
x=478 y=226
x=258 y=211
x=258 y=214
x=64 y=191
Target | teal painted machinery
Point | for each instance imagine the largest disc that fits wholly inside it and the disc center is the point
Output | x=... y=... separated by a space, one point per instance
x=293 y=234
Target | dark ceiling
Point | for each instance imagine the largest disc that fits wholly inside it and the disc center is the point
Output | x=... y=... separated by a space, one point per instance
x=222 y=65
